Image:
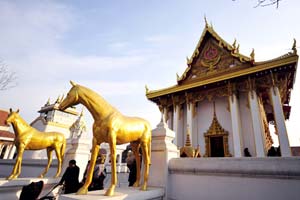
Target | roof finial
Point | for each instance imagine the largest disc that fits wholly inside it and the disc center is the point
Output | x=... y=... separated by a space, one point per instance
x=81 y=114
x=252 y=55
x=206 y=24
x=294 y=48
x=48 y=102
x=238 y=48
x=234 y=44
x=178 y=78
x=147 y=89
x=214 y=103
x=58 y=99
x=188 y=61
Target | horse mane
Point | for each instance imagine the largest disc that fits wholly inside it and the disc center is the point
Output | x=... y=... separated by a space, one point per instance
x=98 y=99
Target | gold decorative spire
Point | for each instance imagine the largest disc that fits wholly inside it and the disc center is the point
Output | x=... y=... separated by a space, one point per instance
x=188 y=61
x=188 y=139
x=294 y=48
x=252 y=55
x=238 y=48
x=215 y=127
x=81 y=114
x=58 y=99
x=48 y=102
x=147 y=89
x=234 y=44
x=206 y=24
x=177 y=76
x=187 y=150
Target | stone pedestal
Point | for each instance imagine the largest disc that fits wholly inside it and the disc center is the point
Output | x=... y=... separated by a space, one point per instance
x=120 y=193
x=11 y=190
x=162 y=150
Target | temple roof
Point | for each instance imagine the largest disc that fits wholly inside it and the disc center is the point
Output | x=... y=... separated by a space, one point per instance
x=214 y=60
x=3 y=117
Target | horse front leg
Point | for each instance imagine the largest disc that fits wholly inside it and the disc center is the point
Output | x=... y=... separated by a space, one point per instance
x=112 y=145
x=17 y=167
x=49 y=155
x=95 y=151
x=146 y=158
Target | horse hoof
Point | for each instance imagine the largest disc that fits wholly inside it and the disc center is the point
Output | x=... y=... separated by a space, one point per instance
x=136 y=184
x=82 y=191
x=11 y=177
x=109 y=192
x=41 y=176
x=144 y=187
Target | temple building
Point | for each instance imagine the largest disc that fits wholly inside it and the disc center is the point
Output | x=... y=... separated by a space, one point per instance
x=228 y=101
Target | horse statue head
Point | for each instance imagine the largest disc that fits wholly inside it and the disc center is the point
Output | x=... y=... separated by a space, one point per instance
x=71 y=98
x=12 y=116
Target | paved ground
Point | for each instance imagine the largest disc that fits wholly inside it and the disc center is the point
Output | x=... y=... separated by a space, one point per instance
x=122 y=180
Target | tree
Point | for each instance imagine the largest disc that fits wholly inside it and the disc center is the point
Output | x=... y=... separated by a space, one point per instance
x=264 y=3
x=7 y=78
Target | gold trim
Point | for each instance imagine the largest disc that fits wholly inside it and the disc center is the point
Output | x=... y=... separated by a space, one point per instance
x=265 y=66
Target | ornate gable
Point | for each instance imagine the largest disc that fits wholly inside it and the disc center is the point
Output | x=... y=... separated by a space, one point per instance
x=213 y=56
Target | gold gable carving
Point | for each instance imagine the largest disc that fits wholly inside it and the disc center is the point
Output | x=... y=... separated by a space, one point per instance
x=212 y=60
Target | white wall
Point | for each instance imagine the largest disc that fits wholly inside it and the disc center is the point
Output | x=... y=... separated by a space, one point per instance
x=234 y=178
x=205 y=117
x=246 y=124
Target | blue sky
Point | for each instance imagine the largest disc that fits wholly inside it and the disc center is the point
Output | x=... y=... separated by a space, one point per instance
x=118 y=47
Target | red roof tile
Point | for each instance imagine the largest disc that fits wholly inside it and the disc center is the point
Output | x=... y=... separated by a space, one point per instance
x=3 y=117
x=6 y=134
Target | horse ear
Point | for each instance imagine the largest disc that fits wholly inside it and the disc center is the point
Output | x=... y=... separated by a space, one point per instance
x=10 y=110
x=72 y=83
x=18 y=111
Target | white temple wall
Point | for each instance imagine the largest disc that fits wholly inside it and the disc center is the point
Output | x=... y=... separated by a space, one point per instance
x=204 y=119
x=184 y=127
x=246 y=124
x=224 y=118
x=181 y=129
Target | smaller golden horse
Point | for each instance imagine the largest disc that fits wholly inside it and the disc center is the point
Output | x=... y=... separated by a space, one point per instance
x=28 y=138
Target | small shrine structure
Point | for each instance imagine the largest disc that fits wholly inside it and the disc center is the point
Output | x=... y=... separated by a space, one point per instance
x=228 y=100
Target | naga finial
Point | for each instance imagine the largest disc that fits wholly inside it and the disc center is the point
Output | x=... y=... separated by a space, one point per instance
x=234 y=44
x=58 y=99
x=147 y=89
x=206 y=23
x=252 y=55
x=294 y=48
x=188 y=61
x=81 y=114
x=177 y=76
x=238 y=48
x=48 y=102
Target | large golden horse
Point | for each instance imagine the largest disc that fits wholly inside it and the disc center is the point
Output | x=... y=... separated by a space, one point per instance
x=28 y=138
x=112 y=127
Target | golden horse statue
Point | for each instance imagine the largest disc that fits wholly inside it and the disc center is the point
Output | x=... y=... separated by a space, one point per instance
x=112 y=127
x=28 y=138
